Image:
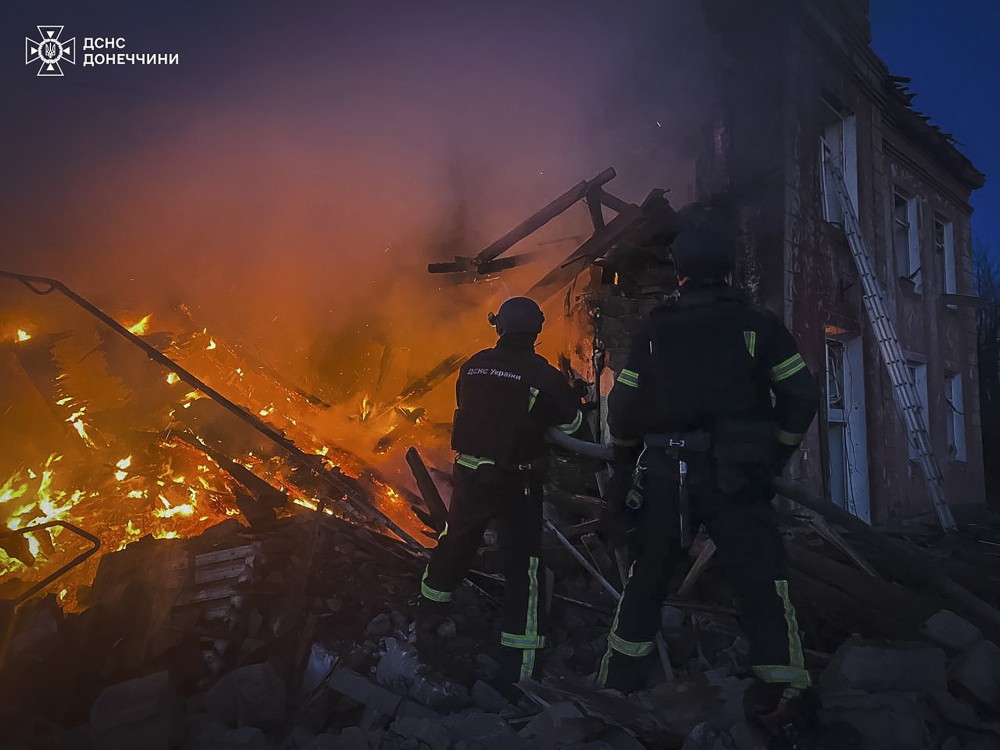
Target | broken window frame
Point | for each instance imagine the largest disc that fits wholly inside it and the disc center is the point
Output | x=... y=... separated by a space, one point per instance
x=944 y=245
x=840 y=136
x=953 y=396
x=906 y=238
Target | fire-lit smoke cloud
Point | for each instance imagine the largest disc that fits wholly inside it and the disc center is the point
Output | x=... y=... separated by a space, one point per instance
x=292 y=176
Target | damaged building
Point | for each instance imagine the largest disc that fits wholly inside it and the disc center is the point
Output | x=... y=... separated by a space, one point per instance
x=217 y=556
x=801 y=77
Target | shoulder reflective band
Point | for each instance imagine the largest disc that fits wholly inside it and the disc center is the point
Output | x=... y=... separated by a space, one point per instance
x=790 y=438
x=532 y=395
x=570 y=427
x=750 y=338
x=431 y=593
x=787 y=368
x=629 y=648
x=629 y=378
x=473 y=462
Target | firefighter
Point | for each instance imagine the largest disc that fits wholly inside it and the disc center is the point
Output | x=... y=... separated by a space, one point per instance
x=716 y=383
x=508 y=397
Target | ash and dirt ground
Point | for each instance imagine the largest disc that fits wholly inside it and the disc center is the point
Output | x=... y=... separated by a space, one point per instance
x=299 y=634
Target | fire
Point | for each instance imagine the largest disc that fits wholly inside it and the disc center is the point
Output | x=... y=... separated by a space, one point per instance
x=121 y=475
x=162 y=477
x=142 y=327
x=76 y=419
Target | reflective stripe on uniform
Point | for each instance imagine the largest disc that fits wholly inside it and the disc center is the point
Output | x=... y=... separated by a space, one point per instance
x=794 y=673
x=529 y=641
x=795 y=676
x=513 y=640
x=629 y=378
x=532 y=396
x=432 y=593
x=602 y=672
x=570 y=427
x=473 y=462
x=787 y=368
x=790 y=438
x=750 y=338
x=630 y=648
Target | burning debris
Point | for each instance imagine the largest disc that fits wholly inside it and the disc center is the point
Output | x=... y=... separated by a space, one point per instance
x=260 y=567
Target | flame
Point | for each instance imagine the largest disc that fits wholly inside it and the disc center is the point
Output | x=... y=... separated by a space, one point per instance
x=366 y=407
x=76 y=419
x=211 y=344
x=172 y=377
x=142 y=327
x=22 y=335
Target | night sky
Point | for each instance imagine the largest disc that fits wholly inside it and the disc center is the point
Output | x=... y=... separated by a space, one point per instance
x=950 y=52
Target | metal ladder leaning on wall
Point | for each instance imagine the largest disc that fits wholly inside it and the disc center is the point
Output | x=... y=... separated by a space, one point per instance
x=904 y=390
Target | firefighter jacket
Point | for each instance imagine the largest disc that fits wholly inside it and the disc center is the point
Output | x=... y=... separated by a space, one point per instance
x=508 y=397
x=711 y=359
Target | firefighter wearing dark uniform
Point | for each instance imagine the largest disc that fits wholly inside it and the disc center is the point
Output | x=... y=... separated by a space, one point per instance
x=715 y=382
x=508 y=397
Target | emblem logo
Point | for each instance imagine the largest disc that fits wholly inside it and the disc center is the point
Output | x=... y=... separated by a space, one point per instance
x=50 y=51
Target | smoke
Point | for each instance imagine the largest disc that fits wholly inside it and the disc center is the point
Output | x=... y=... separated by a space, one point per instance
x=290 y=179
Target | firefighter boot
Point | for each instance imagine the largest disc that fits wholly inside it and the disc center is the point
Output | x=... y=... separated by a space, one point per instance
x=783 y=713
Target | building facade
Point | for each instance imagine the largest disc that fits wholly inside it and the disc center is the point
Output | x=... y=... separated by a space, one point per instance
x=799 y=79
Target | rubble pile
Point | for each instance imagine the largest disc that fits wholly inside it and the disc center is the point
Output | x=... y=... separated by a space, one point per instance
x=299 y=634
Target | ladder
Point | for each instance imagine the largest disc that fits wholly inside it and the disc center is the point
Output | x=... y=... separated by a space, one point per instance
x=904 y=390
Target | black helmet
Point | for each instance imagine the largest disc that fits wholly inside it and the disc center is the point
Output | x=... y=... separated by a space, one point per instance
x=703 y=250
x=517 y=315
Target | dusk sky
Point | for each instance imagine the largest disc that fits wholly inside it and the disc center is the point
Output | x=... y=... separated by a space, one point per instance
x=352 y=139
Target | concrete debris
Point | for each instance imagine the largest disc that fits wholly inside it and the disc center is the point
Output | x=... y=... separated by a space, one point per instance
x=401 y=670
x=251 y=696
x=707 y=736
x=308 y=646
x=143 y=712
x=886 y=667
x=951 y=631
x=488 y=698
x=977 y=674
x=884 y=721
x=244 y=738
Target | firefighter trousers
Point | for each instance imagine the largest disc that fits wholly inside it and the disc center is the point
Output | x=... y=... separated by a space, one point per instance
x=750 y=550
x=513 y=500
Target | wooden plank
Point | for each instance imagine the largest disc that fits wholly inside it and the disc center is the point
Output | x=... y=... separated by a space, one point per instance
x=428 y=490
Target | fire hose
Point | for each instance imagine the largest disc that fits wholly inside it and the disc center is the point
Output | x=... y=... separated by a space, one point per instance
x=42 y=286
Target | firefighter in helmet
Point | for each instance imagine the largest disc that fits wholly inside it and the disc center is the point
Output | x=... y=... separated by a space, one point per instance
x=716 y=383
x=508 y=397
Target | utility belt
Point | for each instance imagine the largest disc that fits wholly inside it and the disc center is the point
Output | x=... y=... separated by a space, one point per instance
x=738 y=448
x=677 y=444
